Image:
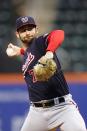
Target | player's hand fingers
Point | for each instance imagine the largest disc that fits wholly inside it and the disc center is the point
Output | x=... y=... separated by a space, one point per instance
x=10 y=45
x=42 y=60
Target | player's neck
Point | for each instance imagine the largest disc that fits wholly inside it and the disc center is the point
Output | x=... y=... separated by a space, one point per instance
x=27 y=44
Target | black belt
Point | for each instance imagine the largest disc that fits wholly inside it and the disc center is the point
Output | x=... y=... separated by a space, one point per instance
x=49 y=103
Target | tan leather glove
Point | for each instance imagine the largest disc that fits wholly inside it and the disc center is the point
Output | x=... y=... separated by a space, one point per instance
x=45 y=68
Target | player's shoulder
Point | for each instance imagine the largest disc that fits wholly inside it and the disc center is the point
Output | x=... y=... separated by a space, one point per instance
x=52 y=32
x=43 y=35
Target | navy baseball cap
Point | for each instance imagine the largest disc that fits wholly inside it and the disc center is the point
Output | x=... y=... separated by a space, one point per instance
x=24 y=20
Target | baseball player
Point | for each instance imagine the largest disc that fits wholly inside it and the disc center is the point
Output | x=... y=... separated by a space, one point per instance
x=51 y=104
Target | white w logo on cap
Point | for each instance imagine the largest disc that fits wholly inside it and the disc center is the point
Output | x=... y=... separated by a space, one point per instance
x=24 y=19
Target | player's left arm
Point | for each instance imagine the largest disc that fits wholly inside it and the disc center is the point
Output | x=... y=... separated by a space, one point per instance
x=54 y=40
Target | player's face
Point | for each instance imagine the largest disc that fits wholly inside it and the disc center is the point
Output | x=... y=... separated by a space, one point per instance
x=27 y=33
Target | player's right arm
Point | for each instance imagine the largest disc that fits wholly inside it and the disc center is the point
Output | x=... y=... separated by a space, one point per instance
x=13 y=50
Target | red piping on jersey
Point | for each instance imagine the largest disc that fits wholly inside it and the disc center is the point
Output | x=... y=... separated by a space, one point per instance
x=55 y=39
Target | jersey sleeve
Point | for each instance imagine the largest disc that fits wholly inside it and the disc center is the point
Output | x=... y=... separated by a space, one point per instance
x=54 y=40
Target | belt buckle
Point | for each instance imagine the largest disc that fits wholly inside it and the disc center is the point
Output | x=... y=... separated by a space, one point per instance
x=43 y=104
x=56 y=101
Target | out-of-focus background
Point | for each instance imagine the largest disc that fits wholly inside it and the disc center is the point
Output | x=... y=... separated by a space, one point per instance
x=69 y=15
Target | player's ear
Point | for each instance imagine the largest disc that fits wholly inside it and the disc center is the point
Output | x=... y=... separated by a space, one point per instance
x=17 y=34
x=37 y=30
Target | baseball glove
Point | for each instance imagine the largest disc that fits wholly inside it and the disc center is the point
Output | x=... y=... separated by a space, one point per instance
x=43 y=72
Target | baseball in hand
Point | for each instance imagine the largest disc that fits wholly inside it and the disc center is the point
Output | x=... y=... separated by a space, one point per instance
x=10 y=52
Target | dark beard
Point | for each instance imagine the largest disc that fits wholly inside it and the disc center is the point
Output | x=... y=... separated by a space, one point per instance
x=26 y=42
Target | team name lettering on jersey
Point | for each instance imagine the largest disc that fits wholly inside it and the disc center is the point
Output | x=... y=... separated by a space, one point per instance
x=28 y=61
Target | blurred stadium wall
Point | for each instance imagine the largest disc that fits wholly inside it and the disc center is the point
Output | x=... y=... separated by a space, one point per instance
x=68 y=15
x=59 y=14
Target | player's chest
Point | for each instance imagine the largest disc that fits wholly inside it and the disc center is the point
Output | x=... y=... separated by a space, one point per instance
x=29 y=60
x=35 y=51
x=31 y=57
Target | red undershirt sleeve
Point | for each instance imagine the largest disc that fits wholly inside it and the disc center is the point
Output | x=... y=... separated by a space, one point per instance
x=22 y=51
x=55 y=39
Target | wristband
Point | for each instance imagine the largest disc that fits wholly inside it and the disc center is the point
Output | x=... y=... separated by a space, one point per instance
x=49 y=55
x=22 y=51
